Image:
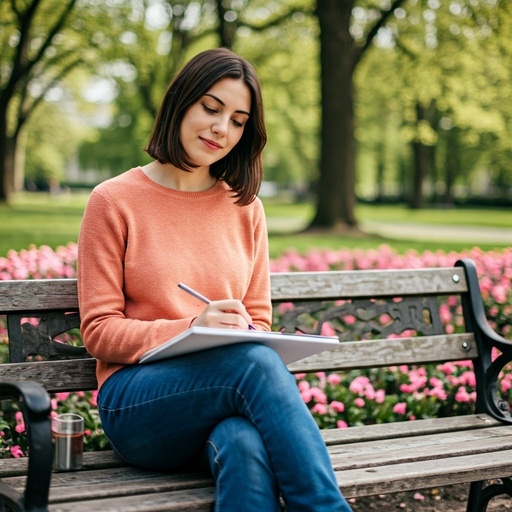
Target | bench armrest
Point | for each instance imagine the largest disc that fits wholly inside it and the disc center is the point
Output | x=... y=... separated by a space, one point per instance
x=486 y=370
x=36 y=407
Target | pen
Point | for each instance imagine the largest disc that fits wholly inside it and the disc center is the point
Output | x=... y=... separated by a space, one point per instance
x=202 y=298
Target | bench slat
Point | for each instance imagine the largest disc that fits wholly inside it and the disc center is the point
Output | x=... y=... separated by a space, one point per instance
x=425 y=474
x=38 y=294
x=198 y=500
x=54 y=376
x=107 y=483
x=389 y=352
x=61 y=294
x=80 y=374
x=407 y=428
x=381 y=453
x=366 y=283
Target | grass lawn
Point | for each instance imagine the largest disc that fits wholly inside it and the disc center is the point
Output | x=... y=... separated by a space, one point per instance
x=41 y=220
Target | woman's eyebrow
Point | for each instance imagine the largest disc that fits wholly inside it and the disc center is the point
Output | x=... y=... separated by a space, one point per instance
x=223 y=104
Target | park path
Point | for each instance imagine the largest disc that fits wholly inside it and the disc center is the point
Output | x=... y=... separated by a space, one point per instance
x=413 y=231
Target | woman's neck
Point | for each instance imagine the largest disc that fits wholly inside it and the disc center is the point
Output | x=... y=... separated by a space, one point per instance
x=167 y=175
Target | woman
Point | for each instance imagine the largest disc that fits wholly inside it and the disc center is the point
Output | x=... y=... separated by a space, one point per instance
x=192 y=216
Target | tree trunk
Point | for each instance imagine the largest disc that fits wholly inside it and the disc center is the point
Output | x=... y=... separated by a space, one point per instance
x=335 y=188
x=451 y=166
x=6 y=157
x=422 y=155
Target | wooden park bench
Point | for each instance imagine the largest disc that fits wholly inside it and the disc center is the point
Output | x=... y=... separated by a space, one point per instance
x=368 y=460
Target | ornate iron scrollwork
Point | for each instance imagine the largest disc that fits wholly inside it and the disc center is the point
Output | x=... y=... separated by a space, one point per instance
x=417 y=314
x=26 y=339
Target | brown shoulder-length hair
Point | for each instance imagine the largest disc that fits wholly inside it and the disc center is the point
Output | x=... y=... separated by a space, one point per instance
x=242 y=167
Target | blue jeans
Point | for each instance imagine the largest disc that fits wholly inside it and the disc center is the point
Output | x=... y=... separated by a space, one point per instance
x=240 y=407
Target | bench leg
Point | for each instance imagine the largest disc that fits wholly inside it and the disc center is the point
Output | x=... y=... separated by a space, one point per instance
x=480 y=496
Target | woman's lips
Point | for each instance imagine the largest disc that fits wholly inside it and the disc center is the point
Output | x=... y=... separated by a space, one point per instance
x=210 y=144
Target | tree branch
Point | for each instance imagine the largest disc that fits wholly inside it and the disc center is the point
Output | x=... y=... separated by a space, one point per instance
x=19 y=64
x=25 y=112
x=277 y=20
x=384 y=15
x=53 y=32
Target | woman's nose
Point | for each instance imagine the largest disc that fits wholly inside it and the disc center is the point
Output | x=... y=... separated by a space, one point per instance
x=220 y=127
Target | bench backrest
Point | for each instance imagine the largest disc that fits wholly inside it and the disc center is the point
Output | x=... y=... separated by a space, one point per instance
x=363 y=307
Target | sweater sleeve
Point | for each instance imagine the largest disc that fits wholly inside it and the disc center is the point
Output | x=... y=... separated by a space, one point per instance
x=108 y=334
x=257 y=299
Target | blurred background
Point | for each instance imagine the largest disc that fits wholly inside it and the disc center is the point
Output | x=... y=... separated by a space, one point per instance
x=375 y=109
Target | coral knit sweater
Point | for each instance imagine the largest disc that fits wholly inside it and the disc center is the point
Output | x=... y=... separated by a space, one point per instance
x=139 y=239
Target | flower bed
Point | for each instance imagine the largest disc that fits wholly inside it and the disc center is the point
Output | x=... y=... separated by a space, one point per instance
x=336 y=400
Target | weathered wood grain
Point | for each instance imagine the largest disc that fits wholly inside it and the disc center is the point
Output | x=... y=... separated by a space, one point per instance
x=127 y=481
x=424 y=474
x=381 y=353
x=38 y=294
x=382 y=453
x=366 y=283
x=61 y=294
x=198 y=500
x=407 y=429
x=54 y=376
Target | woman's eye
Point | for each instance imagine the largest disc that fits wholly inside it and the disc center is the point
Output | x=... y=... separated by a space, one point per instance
x=237 y=124
x=209 y=110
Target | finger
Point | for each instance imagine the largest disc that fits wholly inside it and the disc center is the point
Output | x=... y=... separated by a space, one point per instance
x=233 y=306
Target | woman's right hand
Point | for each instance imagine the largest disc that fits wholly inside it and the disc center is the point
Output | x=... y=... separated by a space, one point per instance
x=225 y=314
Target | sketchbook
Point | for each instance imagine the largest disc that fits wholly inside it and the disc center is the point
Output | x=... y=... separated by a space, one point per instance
x=290 y=347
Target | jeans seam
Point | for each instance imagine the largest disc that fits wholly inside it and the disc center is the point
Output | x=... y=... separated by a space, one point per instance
x=116 y=409
x=217 y=483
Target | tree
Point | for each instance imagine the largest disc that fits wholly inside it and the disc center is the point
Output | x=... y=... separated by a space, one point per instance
x=41 y=42
x=340 y=54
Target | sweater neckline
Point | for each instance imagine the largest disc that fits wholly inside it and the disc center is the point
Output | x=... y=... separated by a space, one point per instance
x=213 y=191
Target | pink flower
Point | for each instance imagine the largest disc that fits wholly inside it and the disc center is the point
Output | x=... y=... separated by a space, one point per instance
x=306 y=396
x=318 y=395
x=334 y=379
x=369 y=392
x=337 y=406
x=303 y=385
x=20 y=427
x=499 y=294
x=406 y=388
x=447 y=368
x=400 y=408
x=320 y=409
x=436 y=383
x=62 y=396
x=17 y=452
x=54 y=404
x=380 y=395
x=341 y=424
x=359 y=402
x=18 y=416
x=468 y=378
x=327 y=330
x=462 y=395
x=87 y=432
x=419 y=496
x=358 y=385
x=349 y=319
x=300 y=376
x=505 y=385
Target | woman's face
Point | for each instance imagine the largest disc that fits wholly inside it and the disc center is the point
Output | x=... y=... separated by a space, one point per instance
x=212 y=126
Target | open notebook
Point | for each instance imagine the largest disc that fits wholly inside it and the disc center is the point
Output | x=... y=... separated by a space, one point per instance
x=291 y=347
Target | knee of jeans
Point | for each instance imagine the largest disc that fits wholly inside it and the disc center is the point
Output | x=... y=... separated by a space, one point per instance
x=238 y=436
x=261 y=357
